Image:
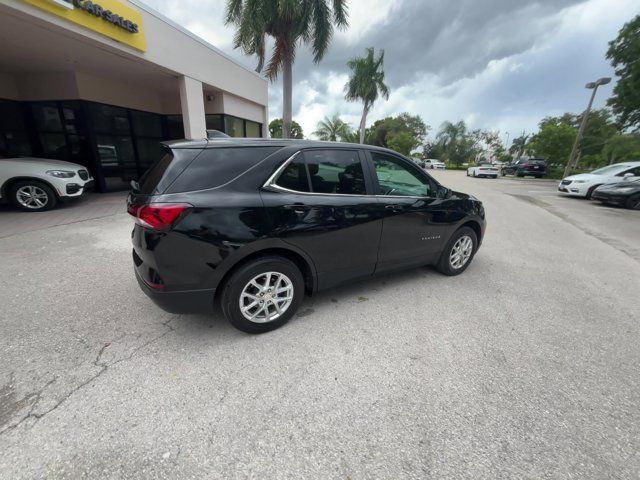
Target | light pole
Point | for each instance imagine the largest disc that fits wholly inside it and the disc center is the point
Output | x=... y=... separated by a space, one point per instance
x=506 y=144
x=574 y=151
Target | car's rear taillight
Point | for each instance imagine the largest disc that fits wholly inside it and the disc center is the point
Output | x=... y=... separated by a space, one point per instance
x=159 y=216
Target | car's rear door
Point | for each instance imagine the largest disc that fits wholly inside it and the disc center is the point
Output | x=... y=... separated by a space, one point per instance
x=322 y=202
x=416 y=222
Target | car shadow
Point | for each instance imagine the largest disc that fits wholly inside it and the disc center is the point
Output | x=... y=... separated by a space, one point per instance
x=360 y=291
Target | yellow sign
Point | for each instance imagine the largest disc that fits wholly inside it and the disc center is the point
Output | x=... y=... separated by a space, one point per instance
x=111 y=18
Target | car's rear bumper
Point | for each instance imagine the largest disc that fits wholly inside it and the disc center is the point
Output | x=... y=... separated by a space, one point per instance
x=190 y=301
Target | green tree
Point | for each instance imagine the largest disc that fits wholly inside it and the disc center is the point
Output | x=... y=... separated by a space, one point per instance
x=553 y=142
x=403 y=142
x=382 y=130
x=332 y=129
x=622 y=148
x=458 y=143
x=366 y=83
x=624 y=54
x=289 y=23
x=275 y=129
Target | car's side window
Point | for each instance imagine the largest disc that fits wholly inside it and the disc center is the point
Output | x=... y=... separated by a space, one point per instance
x=295 y=176
x=635 y=171
x=335 y=171
x=395 y=178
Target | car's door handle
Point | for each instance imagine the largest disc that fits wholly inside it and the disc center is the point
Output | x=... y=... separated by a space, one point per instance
x=298 y=208
x=394 y=208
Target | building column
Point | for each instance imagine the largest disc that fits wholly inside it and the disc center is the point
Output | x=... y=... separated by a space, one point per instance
x=192 y=103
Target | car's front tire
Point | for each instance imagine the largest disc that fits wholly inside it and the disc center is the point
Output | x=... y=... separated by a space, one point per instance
x=32 y=196
x=263 y=294
x=458 y=253
x=633 y=202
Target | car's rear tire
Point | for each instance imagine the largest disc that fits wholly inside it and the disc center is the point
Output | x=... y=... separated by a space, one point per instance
x=263 y=287
x=633 y=202
x=460 y=244
x=32 y=196
x=494 y=176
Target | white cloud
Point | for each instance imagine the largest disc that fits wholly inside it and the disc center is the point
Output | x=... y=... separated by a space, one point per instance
x=498 y=64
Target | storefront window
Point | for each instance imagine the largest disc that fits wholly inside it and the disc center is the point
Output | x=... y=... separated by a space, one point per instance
x=253 y=129
x=149 y=152
x=214 y=122
x=146 y=124
x=175 y=127
x=54 y=145
x=117 y=160
x=110 y=119
x=47 y=117
x=235 y=126
x=13 y=132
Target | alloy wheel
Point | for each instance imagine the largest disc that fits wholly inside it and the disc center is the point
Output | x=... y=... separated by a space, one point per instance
x=461 y=252
x=266 y=297
x=31 y=196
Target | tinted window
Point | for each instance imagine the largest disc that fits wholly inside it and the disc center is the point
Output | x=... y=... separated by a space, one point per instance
x=295 y=177
x=335 y=171
x=397 y=178
x=217 y=166
x=166 y=170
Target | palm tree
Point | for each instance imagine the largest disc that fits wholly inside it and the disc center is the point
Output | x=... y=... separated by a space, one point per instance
x=332 y=129
x=366 y=83
x=450 y=133
x=288 y=22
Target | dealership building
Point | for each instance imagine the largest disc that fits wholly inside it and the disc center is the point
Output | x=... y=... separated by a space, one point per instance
x=101 y=83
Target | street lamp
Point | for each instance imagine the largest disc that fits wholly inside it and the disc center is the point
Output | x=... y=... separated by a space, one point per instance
x=593 y=86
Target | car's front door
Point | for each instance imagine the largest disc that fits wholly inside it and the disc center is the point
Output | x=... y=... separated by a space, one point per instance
x=416 y=222
x=323 y=203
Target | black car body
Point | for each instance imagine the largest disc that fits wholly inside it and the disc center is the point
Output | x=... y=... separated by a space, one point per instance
x=625 y=193
x=535 y=167
x=208 y=210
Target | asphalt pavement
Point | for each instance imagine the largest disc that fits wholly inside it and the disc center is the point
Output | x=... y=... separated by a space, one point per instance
x=525 y=366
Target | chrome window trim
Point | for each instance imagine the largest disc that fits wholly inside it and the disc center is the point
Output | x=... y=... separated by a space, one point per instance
x=271 y=184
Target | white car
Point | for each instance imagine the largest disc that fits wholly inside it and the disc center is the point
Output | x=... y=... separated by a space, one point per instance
x=483 y=170
x=432 y=163
x=37 y=184
x=584 y=184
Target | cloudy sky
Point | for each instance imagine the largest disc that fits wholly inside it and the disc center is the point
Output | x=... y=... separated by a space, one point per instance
x=497 y=64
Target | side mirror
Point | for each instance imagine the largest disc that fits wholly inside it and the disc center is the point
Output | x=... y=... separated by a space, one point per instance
x=443 y=192
x=626 y=176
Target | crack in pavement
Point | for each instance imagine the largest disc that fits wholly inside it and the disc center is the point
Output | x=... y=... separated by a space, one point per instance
x=634 y=253
x=103 y=368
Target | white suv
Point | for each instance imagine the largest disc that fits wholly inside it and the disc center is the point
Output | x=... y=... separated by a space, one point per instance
x=584 y=184
x=37 y=184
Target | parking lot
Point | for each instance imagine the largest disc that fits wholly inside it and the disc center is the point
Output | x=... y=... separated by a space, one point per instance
x=525 y=366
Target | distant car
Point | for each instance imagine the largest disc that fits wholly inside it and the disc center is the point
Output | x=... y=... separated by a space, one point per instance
x=584 y=184
x=419 y=162
x=434 y=164
x=535 y=167
x=37 y=184
x=625 y=193
x=484 y=170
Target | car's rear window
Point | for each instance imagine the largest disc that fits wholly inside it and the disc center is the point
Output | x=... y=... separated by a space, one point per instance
x=216 y=166
x=161 y=174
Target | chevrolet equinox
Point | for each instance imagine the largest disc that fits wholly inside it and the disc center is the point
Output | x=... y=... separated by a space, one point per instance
x=255 y=224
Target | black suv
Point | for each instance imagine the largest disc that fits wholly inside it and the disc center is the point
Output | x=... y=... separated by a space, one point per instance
x=258 y=223
x=535 y=167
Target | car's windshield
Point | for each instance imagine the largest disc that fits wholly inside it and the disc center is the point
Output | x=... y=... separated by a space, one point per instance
x=610 y=170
